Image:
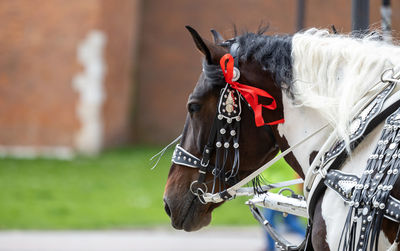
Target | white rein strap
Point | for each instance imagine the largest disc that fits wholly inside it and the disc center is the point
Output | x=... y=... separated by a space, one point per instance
x=235 y=189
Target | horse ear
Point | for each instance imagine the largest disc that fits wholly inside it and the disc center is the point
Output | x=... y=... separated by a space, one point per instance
x=200 y=43
x=217 y=37
x=211 y=51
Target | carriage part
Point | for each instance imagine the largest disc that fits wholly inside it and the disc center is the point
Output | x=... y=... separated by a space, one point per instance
x=280 y=242
x=281 y=203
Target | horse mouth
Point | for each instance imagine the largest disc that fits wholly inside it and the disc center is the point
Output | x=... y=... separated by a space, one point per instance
x=191 y=218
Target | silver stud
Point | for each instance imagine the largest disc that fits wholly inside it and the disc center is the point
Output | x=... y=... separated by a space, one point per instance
x=395 y=171
x=220 y=117
x=392 y=146
x=222 y=131
x=382 y=206
x=195 y=162
x=226 y=144
x=207 y=151
x=236 y=145
x=229 y=120
x=233 y=132
x=190 y=159
x=236 y=74
x=238 y=118
x=184 y=157
x=369 y=218
x=218 y=144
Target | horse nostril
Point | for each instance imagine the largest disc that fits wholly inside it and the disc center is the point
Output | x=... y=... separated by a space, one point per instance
x=166 y=207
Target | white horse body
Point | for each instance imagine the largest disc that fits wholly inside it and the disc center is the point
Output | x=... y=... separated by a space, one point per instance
x=331 y=75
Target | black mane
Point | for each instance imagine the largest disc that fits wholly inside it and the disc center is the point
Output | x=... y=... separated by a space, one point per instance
x=272 y=52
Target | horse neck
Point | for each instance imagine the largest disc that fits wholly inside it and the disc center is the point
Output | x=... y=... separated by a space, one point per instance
x=301 y=122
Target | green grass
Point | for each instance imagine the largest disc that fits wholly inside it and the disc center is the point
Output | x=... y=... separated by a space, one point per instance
x=115 y=190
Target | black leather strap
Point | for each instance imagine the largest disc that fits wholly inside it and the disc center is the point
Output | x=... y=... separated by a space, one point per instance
x=340 y=159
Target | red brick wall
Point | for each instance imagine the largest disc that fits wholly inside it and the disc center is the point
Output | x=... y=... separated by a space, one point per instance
x=38 y=60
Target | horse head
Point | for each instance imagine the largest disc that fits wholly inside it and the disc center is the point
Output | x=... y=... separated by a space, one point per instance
x=231 y=157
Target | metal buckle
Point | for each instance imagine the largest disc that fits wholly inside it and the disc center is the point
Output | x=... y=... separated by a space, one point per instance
x=204 y=164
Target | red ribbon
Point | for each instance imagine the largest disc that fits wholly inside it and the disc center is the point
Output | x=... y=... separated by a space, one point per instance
x=250 y=93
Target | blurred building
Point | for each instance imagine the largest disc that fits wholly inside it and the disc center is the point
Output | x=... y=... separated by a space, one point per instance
x=78 y=76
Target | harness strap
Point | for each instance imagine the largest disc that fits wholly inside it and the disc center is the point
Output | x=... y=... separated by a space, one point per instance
x=231 y=192
x=318 y=187
x=345 y=184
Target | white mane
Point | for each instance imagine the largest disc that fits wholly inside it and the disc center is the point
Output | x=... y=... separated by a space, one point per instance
x=332 y=73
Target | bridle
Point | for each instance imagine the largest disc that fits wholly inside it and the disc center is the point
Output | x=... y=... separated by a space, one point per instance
x=223 y=137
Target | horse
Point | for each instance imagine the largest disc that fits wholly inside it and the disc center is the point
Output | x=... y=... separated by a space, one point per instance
x=292 y=86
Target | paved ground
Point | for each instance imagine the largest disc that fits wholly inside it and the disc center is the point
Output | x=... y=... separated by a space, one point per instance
x=209 y=239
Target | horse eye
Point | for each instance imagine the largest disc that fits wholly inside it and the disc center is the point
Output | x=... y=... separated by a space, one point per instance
x=193 y=107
